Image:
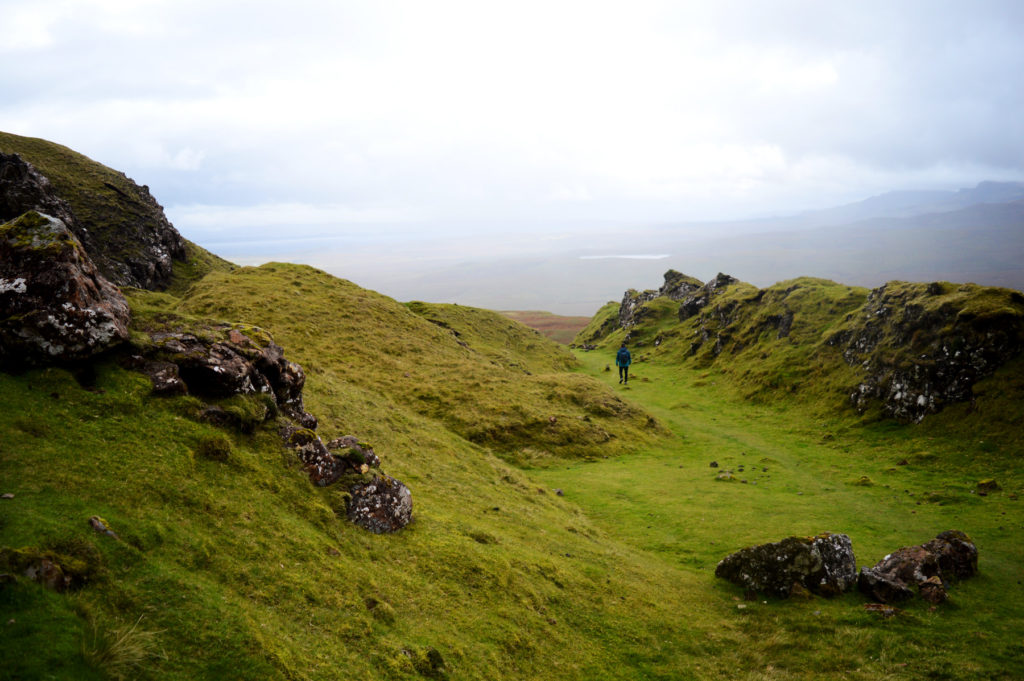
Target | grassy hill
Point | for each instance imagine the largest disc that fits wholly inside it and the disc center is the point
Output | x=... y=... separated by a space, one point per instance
x=242 y=569
x=564 y=527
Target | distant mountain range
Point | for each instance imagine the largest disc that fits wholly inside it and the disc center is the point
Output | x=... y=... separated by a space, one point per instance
x=974 y=235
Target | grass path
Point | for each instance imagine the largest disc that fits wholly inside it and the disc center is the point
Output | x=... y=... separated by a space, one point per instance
x=800 y=476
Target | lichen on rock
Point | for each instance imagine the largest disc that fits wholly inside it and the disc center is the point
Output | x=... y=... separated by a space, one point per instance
x=823 y=564
x=54 y=305
x=951 y=556
x=922 y=346
x=381 y=505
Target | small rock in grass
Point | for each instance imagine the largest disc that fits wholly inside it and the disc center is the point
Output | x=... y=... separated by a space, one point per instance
x=97 y=523
x=881 y=609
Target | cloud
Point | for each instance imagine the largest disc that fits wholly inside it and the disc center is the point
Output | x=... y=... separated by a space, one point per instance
x=345 y=113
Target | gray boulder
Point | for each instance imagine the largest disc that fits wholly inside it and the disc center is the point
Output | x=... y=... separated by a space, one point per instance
x=119 y=223
x=824 y=565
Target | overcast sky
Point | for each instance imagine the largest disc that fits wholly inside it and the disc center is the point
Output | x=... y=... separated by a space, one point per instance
x=355 y=118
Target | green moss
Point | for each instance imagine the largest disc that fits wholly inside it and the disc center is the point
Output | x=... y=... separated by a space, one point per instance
x=197 y=264
x=215 y=447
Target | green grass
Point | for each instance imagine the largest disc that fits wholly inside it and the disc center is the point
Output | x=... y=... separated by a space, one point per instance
x=234 y=566
x=668 y=503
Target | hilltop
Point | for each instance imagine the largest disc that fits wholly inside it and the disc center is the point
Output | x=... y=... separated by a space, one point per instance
x=191 y=468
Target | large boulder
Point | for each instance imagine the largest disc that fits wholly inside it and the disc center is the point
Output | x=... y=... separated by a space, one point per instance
x=54 y=304
x=381 y=505
x=930 y=567
x=23 y=189
x=824 y=565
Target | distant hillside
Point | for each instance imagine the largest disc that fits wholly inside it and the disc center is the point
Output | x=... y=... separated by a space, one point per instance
x=903 y=350
x=556 y=327
x=971 y=235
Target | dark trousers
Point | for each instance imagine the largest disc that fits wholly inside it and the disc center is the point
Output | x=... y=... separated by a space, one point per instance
x=623 y=374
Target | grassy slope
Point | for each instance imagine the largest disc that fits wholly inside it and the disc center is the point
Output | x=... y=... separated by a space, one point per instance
x=802 y=475
x=490 y=393
x=242 y=570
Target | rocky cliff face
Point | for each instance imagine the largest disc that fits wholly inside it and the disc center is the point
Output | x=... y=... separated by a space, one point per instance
x=119 y=223
x=922 y=346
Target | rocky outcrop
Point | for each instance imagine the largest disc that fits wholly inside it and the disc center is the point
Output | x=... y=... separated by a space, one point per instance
x=631 y=308
x=693 y=294
x=223 y=360
x=24 y=189
x=54 y=305
x=119 y=223
x=376 y=502
x=824 y=565
x=929 y=567
x=698 y=298
x=924 y=346
x=678 y=286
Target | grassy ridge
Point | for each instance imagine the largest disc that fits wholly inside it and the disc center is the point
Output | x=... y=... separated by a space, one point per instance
x=497 y=389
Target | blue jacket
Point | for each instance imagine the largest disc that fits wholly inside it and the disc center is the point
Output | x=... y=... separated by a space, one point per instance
x=623 y=358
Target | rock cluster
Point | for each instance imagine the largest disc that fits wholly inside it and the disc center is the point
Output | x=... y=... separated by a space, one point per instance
x=697 y=298
x=225 y=360
x=228 y=361
x=692 y=294
x=824 y=565
x=929 y=567
x=54 y=304
x=377 y=502
x=919 y=353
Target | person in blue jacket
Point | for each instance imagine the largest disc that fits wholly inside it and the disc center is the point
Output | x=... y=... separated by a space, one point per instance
x=623 y=360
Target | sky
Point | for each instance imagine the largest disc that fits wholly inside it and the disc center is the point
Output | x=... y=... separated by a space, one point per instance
x=447 y=122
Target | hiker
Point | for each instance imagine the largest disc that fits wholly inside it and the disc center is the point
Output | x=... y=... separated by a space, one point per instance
x=623 y=360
